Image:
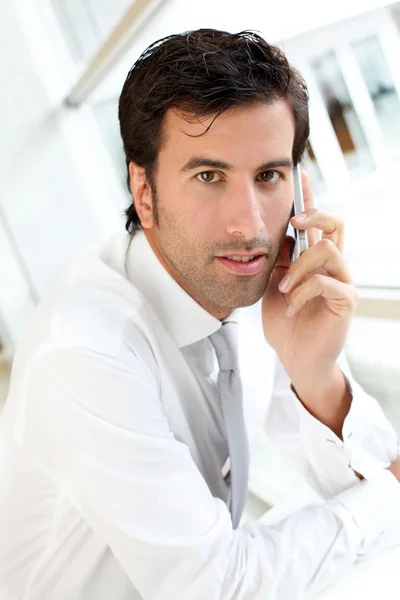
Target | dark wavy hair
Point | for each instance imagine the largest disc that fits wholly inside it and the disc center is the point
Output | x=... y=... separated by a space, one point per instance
x=203 y=73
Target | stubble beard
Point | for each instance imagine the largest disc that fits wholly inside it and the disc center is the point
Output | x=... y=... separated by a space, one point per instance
x=201 y=276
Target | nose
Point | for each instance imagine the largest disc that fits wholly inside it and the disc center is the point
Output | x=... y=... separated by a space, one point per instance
x=243 y=212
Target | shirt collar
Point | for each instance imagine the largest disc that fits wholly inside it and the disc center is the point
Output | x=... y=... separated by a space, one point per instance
x=183 y=317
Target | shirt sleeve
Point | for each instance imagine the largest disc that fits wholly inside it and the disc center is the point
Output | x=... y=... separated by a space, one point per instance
x=95 y=424
x=327 y=463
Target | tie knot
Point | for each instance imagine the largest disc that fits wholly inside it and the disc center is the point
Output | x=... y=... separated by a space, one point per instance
x=226 y=347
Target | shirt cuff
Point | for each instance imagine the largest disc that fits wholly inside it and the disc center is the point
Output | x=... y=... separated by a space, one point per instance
x=369 y=443
x=374 y=505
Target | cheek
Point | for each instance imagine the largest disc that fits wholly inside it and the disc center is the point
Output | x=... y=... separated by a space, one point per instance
x=187 y=223
x=200 y=212
x=199 y=226
x=276 y=217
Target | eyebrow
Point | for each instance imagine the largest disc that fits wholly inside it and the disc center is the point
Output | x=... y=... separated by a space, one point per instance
x=203 y=161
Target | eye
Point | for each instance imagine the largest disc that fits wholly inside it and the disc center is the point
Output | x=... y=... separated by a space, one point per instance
x=270 y=176
x=208 y=177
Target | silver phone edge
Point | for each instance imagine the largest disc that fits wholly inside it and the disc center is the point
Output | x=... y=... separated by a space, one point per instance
x=301 y=243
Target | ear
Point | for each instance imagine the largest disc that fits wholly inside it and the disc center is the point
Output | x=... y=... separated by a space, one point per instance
x=141 y=193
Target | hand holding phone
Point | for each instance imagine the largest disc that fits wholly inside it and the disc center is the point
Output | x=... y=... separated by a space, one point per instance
x=301 y=242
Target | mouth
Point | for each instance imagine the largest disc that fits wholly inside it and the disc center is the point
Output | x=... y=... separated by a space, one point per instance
x=243 y=264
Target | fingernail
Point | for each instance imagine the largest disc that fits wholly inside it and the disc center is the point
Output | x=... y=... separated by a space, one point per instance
x=284 y=284
x=289 y=311
x=301 y=217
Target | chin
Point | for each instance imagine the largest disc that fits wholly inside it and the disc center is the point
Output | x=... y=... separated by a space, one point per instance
x=242 y=302
x=250 y=302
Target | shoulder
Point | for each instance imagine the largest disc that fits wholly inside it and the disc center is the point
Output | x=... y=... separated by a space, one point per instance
x=92 y=306
x=94 y=315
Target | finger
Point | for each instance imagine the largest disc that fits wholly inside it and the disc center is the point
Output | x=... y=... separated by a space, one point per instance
x=332 y=227
x=323 y=255
x=341 y=298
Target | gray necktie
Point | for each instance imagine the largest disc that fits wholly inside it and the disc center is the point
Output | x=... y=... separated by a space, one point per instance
x=229 y=390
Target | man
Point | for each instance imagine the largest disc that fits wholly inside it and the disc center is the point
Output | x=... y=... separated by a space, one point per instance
x=126 y=432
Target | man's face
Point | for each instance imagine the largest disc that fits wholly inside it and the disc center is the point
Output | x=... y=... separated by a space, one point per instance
x=222 y=195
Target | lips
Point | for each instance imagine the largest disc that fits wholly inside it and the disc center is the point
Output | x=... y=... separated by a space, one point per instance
x=240 y=267
x=242 y=257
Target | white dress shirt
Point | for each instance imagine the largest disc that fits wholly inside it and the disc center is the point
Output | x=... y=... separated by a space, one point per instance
x=112 y=446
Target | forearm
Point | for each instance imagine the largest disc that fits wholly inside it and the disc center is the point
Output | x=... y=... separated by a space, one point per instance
x=327 y=398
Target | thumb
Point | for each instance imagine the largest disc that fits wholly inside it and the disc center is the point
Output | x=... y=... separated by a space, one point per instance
x=285 y=254
x=282 y=264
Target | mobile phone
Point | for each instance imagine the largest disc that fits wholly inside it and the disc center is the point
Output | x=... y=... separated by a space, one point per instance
x=300 y=237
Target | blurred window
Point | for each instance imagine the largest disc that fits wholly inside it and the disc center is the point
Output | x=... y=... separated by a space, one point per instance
x=106 y=114
x=380 y=86
x=86 y=23
x=311 y=165
x=342 y=114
